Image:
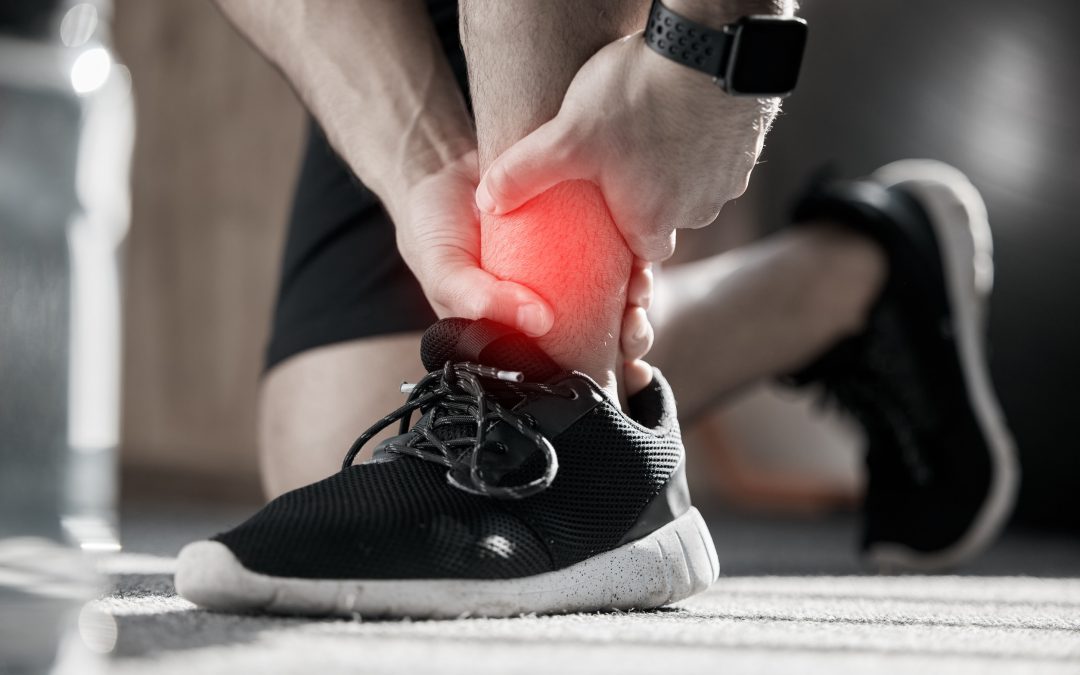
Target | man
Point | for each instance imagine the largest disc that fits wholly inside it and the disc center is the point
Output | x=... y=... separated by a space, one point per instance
x=530 y=483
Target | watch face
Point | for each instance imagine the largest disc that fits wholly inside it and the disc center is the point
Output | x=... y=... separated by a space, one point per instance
x=766 y=56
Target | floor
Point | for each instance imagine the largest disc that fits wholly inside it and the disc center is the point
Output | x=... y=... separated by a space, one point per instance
x=792 y=599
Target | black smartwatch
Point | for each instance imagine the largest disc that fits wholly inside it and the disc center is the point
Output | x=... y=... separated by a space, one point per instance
x=755 y=56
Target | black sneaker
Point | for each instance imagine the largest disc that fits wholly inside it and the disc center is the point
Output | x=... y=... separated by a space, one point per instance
x=521 y=488
x=942 y=468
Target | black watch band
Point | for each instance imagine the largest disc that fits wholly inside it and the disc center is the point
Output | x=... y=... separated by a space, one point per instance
x=756 y=56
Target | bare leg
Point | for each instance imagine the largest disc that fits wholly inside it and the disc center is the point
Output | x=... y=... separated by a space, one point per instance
x=314 y=405
x=762 y=310
x=522 y=56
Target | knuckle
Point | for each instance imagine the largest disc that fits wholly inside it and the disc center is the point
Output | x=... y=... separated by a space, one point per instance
x=501 y=182
x=641 y=246
x=637 y=335
x=454 y=298
x=440 y=290
x=662 y=246
x=705 y=215
x=739 y=186
x=495 y=301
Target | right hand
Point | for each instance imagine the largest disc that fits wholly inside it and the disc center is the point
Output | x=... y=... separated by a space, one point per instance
x=438 y=235
x=665 y=145
x=637 y=332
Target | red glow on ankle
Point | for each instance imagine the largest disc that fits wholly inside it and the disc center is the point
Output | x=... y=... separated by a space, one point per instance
x=565 y=246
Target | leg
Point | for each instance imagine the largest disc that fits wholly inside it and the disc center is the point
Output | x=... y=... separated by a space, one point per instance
x=346 y=327
x=312 y=406
x=563 y=244
x=763 y=310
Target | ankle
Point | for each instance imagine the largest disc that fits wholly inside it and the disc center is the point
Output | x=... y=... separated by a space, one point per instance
x=565 y=246
x=596 y=361
x=849 y=272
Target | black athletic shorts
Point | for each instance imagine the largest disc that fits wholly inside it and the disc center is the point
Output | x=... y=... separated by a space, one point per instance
x=342 y=277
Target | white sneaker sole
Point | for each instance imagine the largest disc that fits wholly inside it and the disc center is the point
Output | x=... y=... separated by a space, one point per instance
x=958 y=215
x=668 y=565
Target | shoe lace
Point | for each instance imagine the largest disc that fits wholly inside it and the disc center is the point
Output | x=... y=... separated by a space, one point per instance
x=461 y=398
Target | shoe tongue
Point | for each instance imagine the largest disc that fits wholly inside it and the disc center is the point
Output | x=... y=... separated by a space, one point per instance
x=487 y=343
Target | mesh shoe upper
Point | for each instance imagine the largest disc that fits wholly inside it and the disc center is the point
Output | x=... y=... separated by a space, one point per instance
x=928 y=462
x=392 y=519
x=398 y=517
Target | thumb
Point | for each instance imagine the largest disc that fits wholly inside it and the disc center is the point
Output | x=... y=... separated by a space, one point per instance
x=466 y=290
x=528 y=168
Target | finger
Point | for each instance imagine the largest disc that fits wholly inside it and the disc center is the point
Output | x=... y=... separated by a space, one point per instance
x=636 y=338
x=636 y=376
x=466 y=290
x=639 y=291
x=534 y=164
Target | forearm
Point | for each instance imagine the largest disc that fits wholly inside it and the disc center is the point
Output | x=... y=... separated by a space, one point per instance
x=374 y=76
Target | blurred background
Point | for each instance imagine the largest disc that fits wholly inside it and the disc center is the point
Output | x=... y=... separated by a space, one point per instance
x=219 y=140
x=985 y=86
x=148 y=153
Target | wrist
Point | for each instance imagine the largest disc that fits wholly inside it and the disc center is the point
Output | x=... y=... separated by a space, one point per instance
x=674 y=78
x=751 y=56
x=393 y=173
x=451 y=162
x=417 y=160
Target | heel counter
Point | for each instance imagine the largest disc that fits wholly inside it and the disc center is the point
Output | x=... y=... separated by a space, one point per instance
x=672 y=501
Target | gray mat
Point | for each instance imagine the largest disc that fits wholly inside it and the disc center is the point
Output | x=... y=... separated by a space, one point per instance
x=793 y=599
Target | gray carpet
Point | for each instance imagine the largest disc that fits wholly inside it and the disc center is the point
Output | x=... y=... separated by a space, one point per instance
x=793 y=599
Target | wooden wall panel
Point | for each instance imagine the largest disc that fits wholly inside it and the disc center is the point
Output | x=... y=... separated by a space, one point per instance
x=218 y=142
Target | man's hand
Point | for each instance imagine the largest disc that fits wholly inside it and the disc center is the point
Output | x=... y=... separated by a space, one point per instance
x=667 y=147
x=375 y=77
x=636 y=338
x=438 y=234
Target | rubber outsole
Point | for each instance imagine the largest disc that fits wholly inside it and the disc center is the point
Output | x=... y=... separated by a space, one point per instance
x=670 y=564
x=958 y=215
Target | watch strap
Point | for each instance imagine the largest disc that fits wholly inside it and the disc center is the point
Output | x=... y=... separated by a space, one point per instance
x=687 y=42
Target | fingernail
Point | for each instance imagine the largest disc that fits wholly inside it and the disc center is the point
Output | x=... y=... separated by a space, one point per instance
x=484 y=200
x=532 y=320
x=641 y=333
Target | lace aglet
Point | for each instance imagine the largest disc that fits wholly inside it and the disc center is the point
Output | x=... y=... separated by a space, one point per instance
x=407 y=387
x=494 y=373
